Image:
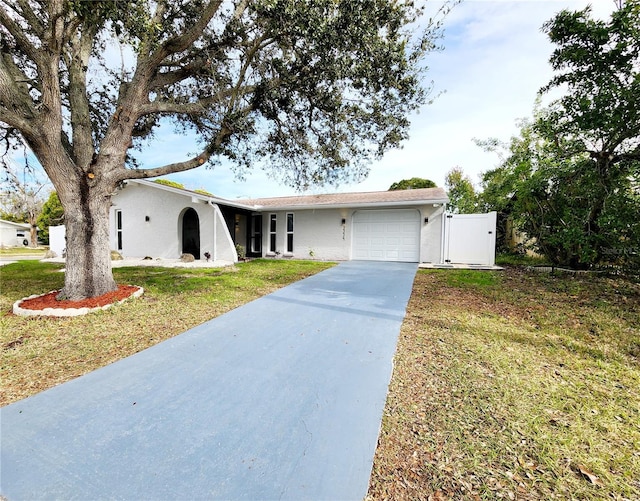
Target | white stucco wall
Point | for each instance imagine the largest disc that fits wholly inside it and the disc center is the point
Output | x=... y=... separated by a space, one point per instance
x=57 y=240
x=431 y=235
x=319 y=233
x=8 y=236
x=224 y=249
x=161 y=236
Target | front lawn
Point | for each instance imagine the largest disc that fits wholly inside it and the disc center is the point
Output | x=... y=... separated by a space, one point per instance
x=507 y=385
x=38 y=353
x=514 y=385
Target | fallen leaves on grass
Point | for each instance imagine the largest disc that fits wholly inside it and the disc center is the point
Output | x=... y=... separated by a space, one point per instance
x=497 y=381
x=587 y=474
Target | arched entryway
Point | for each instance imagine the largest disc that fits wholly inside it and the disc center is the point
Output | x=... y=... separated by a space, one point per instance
x=191 y=233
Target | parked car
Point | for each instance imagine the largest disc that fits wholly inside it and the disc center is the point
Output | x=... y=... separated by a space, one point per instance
x=22 y=239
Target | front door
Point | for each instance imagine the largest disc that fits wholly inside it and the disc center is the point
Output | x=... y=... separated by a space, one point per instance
x=191 y=233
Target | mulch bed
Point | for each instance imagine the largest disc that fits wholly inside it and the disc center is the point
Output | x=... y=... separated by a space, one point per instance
x=49 y=300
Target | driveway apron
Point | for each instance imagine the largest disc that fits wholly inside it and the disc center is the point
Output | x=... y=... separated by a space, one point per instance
x=281 y=398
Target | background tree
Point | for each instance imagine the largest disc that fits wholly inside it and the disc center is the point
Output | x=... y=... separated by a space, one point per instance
x=549 y=198
x=22 y=196
x=596 y=124
x=315 y=88
x=52 y=214
x=463 y=198
x=500 y=187
x=414 y=183
x=570 y=178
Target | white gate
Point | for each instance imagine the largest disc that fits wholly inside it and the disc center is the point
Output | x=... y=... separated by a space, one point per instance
x=470 y=239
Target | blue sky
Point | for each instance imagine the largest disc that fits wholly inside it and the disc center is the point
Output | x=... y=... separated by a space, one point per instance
x=494 y=62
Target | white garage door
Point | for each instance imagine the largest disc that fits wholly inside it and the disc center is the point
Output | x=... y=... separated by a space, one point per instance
x=386 y=235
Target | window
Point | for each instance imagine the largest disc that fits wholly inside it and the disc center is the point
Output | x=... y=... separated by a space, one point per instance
x=256 y=234
x=289 y=232
x=119 y=230
x=272 y=233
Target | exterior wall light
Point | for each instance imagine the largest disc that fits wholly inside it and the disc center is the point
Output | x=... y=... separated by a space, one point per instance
x=426 y=220
x=344 y=221
x=147 y=218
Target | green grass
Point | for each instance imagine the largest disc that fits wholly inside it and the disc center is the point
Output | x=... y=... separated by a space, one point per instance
x=472 y=279
x=38 y=353
x=22 y=251
x=514 y=386
x=520 y=260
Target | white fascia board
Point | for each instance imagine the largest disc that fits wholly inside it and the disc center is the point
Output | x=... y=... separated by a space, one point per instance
x=369 y=205
x=21 y=226
x=195 y=196
x=224 y=201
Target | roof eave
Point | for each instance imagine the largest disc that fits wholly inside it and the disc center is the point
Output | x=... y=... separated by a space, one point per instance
x=23 y=226
x=192 y=194
x=359 y=205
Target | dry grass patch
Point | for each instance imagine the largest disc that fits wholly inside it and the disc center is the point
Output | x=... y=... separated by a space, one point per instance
x=514 y=386
x=38 y=353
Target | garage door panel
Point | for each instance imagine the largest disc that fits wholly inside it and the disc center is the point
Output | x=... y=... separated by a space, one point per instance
x=386 y=235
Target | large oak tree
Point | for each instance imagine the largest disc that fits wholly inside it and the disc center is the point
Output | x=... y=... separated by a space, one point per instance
x=313 y=88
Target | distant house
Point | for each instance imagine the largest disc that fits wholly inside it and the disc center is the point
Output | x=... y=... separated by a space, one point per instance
x=151 y=219
x=14 y=234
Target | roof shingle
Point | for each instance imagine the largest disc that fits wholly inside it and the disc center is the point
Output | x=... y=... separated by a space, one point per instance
x=423 y=195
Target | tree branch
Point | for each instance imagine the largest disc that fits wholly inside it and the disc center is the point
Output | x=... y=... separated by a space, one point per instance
x=19 y=36
x=212 y=148
x=31 y=17
x=629 y=155
x=196 y=108
x=16 y=105
x=49 y=68
x=77 y=62
x=192 y=163
x=161 y=8
x=183 y=42
x=172 y=77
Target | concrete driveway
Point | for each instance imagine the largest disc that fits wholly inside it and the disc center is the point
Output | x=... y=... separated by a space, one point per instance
x=279 y=399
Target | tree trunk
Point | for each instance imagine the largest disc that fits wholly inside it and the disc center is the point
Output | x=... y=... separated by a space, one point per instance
x=88 y=262
x=33 y=235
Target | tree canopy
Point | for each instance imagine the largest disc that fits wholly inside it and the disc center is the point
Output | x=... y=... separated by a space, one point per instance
x=571 y=178
x=52 y=214
x=312 y=86
x=412 y=184
x=462 y=193
x=313 y=90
